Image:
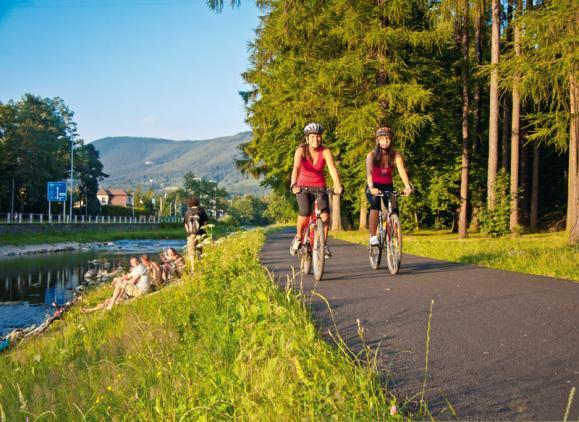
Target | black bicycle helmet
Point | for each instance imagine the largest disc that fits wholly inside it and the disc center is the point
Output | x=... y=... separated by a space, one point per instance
x=313 y=128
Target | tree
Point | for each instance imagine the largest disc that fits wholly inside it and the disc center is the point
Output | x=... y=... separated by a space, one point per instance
x=345 y=64
x=515 y=127
x=36 y=134
x=211 y=196
x=494 y=106
x=548 y=77
x=89 y=172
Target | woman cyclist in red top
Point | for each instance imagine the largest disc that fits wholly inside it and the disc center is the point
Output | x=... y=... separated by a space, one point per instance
x=309 y=161
x=379 y=163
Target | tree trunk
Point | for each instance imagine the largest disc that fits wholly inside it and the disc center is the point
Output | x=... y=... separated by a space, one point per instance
x=573 y=182
x=505 y=137
x=462 y=220
x=476 y=139
x=524 y=182
x=336 y=214
x=363 y=212
x=515 y=130
x=535 y=189
x=494 y=107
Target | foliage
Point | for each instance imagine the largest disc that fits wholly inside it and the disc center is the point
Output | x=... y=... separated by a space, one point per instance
x=248 y=211
x=226 y=343
x=348 y=65
x=117 y=210
x=211 y=196
x=35 y=137
x=549 y=57
x=496 y=222
x=280 y=209
x=89 y=171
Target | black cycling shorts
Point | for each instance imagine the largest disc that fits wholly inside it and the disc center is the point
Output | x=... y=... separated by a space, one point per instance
x=306 y=203
x=375 y=200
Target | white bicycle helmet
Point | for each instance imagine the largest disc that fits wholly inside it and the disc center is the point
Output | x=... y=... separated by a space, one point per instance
x=313 y=128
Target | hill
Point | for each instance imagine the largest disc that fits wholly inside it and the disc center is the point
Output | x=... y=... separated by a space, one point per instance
x=161 y=163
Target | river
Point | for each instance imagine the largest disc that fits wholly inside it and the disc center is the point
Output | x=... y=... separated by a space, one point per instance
x=30 y=284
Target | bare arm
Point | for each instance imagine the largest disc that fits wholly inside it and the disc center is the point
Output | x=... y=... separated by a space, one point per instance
x=333 y=171
x=296 y=169
x=403 y=175
x=134 y=279
x=369 y=168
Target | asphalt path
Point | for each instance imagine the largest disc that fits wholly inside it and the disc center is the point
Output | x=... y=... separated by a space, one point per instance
x=503 y=345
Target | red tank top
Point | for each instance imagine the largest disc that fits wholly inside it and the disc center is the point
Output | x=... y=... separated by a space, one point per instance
x=312 y=174
x=382 y=175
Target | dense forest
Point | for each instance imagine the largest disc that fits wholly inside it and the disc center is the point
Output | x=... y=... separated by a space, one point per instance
x=482 y=96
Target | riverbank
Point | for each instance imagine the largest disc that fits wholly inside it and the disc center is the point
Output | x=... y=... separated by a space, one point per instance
x=58 y=239
x=546 y=254
x=224 y=343
x=40 y=248
x=94 y=233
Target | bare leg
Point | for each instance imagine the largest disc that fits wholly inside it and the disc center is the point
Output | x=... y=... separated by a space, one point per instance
x=300 y=225
x=373 y=222
x=97 y=307
x=119 y=290
x=326 y=220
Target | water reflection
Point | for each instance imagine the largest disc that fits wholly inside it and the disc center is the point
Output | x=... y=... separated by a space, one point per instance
x=29 y=285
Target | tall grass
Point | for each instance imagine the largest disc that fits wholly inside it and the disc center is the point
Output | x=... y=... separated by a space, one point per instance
x=545 y=254
x=224 y=343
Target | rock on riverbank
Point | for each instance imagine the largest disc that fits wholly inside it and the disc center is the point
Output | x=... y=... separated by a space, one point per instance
x=12 y=250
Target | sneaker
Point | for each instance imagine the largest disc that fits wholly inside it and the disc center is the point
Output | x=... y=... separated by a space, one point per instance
x=295 y=245
x=374 y=241
x=327 y=253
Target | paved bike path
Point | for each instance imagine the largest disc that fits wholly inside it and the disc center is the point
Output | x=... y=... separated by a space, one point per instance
x=503 y=345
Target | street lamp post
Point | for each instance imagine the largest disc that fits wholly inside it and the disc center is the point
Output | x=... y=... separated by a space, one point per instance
x=71 y=174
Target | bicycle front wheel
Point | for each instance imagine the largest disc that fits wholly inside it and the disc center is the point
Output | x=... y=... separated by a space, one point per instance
x=394 y=245
x=318 y=252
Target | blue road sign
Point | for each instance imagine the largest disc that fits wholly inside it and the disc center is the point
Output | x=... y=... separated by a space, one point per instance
x=56 y=191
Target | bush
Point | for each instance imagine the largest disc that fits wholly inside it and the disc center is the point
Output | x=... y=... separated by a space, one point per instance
x=495 y=222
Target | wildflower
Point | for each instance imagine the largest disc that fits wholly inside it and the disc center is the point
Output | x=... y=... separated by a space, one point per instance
x=98 y=400
x=393 y=410
x=110 y=388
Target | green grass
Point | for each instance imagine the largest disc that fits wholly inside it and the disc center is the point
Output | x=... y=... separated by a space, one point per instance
x=166 y=231
x=225 y=343
x=545 y=254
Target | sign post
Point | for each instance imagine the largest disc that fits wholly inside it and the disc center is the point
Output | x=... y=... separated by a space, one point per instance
x=56 y=192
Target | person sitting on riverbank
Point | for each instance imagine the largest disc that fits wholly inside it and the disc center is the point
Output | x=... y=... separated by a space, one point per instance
x=137 y=284
x=125 y=277
x=155 y=272
x=173 y=264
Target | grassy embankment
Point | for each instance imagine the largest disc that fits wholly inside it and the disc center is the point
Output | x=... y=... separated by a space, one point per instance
x=223 y=343
x=56 y=235
x=541 y=254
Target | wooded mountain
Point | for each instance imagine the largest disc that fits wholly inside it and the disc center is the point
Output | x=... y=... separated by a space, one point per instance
x=162 y=163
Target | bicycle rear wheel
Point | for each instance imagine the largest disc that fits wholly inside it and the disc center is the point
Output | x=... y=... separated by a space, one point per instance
x=318 y=251
x=394 y=245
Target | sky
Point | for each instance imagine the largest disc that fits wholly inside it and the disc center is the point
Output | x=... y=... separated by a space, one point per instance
x=154 y=68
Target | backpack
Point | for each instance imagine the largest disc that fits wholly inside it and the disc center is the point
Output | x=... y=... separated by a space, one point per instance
x=193 y=224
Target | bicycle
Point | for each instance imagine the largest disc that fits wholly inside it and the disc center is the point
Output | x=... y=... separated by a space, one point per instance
x=389 y=235
x=313 y=243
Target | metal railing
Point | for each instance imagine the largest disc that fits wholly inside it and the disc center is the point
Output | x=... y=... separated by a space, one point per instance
x=34 y=218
